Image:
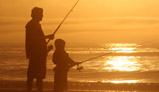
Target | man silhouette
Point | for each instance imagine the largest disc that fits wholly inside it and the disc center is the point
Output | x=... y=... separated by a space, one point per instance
x=36 y=50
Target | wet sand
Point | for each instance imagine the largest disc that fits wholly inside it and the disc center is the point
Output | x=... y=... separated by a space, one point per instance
x=20 y=86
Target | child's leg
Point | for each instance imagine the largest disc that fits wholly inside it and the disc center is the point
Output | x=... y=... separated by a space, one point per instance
x=29 y=84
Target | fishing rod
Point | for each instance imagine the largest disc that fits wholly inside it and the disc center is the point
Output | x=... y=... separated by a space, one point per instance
x=95 y=57
x=147 y=42
x=80 y=67
x=142 y=43
x=63 y=20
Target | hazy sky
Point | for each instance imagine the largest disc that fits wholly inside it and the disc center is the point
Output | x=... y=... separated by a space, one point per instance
x=90 y=21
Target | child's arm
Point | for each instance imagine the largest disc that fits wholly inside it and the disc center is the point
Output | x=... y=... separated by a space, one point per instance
x=71 y=62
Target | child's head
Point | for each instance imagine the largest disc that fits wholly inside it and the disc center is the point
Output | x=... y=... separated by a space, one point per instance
x=59 y=44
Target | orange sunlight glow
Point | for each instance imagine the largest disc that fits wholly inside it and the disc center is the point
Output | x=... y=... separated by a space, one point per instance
x=124 y=81
x=117 y=81
x=122 y=63
x=123 y=48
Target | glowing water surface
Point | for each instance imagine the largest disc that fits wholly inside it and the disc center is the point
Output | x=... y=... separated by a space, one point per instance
x=116 y=67
x=119 y=68
x=122 y=63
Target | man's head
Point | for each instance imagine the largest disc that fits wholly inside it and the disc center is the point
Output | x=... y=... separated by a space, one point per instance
x=37 y=13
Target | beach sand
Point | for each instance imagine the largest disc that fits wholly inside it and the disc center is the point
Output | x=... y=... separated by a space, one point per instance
x=20 y=86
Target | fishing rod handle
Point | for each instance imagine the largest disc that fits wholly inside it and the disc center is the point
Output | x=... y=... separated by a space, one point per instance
x=51 y=38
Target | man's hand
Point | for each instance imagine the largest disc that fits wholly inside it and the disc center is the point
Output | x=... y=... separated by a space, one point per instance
x=51 y=36
x=77 y=63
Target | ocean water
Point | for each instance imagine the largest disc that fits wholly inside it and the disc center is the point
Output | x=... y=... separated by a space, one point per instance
x=120 y=63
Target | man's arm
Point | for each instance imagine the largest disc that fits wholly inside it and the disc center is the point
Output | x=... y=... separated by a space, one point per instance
x=27 y=44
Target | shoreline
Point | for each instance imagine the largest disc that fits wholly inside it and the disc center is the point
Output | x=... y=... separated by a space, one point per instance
x=20 y=86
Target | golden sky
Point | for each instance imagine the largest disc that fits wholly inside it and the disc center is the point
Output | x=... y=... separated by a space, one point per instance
x=90 y=21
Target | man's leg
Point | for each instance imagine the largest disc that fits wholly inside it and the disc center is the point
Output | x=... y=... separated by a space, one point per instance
x=39 y=84
x=29 y=84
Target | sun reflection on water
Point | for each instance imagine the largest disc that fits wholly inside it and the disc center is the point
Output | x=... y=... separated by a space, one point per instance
x=116 y=81
x=122 y=63
x=124 y=81
x=123 y=48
